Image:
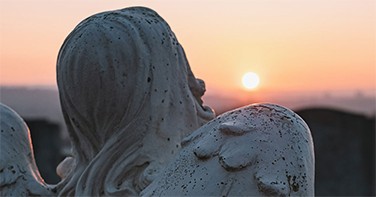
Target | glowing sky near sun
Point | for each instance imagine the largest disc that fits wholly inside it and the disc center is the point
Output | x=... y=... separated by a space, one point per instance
x=291 y=45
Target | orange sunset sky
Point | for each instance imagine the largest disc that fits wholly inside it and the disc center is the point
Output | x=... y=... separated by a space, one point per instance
x=292 y=45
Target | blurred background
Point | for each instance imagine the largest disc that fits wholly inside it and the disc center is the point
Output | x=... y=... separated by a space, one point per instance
x=315 y=57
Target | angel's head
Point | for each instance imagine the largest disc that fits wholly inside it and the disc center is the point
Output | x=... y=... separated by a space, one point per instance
x=19 y=175
x=14 y=136
x=124 y=81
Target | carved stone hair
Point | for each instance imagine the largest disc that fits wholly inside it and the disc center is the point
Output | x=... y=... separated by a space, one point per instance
x=123 y=80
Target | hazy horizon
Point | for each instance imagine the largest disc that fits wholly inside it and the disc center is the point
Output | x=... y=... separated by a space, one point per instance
x=363 y=102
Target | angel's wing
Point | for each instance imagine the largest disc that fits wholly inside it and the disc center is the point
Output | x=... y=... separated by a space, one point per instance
x=260 y=149
x=19 y=175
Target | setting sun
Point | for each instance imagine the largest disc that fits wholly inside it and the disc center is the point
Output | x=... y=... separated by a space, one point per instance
x=250 y=80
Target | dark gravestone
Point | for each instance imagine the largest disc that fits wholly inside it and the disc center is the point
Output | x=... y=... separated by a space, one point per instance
x=47 y=148
x=344 y=151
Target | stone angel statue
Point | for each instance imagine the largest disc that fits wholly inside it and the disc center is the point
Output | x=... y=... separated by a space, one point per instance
x=138 y=126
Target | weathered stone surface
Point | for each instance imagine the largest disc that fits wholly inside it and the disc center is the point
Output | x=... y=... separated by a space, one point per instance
x=260 y=149
x=128 y=96
x=19 y=175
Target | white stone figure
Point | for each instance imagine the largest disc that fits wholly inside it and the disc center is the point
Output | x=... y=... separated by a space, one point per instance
x=19 y=175
x=128 y=97
x=257 y=150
